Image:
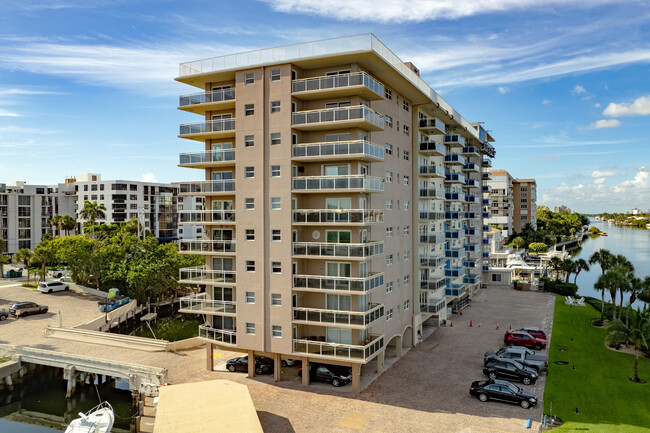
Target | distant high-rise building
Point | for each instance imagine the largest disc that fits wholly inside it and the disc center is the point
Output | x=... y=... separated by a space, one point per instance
x=513 y=202
x=524 y=196
x=561 y=209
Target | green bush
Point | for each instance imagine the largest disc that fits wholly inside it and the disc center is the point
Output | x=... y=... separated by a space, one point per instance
x=30 y=285
x=559 y=287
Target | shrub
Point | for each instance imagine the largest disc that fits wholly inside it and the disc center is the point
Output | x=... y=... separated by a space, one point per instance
x=537 y=247
x=559 y=287
x=30 y=285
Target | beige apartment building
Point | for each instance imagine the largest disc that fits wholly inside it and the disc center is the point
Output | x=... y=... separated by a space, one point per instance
x=524 y=196
x=512 y=202
x=343 y=208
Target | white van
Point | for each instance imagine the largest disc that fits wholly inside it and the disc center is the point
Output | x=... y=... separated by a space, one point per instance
x=52 y=286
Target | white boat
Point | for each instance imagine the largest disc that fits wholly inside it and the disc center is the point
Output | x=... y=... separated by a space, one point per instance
x=97 y=420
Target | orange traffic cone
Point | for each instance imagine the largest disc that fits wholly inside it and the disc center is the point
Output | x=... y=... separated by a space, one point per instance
x=470 y=323
x=497 y=326
x=461 y=312
x=479 y=324
x=451 y=324
x=511 y=327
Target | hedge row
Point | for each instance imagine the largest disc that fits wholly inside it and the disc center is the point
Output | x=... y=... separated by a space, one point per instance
x=559 y=287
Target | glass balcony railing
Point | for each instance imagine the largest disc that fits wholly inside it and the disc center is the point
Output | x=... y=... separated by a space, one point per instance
x=201 y=275
x=360 y=352
x=431 y=193
x=455 y=140
x=432 y=148
x=432 y=216
x=339 y=317
x=432 y=170
x=211 y=156
x=487 y=163
x=206 y=246
x=225 y=336
x=432 y=123
x=341 y=114
x=432 y=262
x=489 y=150
x=200 y=305
x=206 y=216
x=353 y=148
x=333 y=183
x=433 y=306
x=219 y=125
x=455 y=290
x=470 y=279
x=337 y=82
x=471 y=167
x=317 y=249
x=455 y=196
x=455 y=158
x=338 y=216
x=432 y=283
x=213 y=96
x=207 y=187
x=431 y=238
x=471 y=182
x=343 y=284
x=471 y=151
x=455 y=177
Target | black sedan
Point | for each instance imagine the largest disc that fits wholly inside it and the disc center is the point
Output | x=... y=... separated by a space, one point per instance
x=502 y=390
x=334 y=374
x=263 y=365
x=503 y=368
x=21 y=309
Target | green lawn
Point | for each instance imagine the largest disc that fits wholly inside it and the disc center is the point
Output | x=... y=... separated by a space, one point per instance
x=599 y=385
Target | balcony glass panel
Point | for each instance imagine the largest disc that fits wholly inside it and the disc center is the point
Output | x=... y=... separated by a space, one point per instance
x=329 y=183
x=360 y=112
x=344 y=284
x=336 y=148
x=199 y=304
x=207 y=246
x=316 y=249
x=336 y=82
x=206 y=187
x=338 y=317
x=360 y=352
x=207 y=157
x=206 y=97
x=225 y=336
x=201 y=275
x=432 y=170
x=338 y=216
x=219 y=125
x=206 y=216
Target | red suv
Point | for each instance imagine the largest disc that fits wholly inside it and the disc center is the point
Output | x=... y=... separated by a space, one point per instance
x=535 y=332
x=521 y=338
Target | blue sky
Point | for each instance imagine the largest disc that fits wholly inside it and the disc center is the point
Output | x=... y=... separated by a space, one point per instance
x=87 y=86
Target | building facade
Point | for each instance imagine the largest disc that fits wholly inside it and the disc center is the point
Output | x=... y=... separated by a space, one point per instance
x=524 y=196
x=342 y=203
x=501 y=208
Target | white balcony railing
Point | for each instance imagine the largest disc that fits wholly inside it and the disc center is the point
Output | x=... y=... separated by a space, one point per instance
x=337 y=82
x=340 y=114
x=338 y=216
x=339 y=317
x=217 y=125
x=343 y=284
x=200 y=305
x=360 y=352
x=207 y=246
x=225 y=336
x=207 y=187
x=211 y=156
x=213 y=96
x=332 y=183
x=206 y=216
x=359 y=148
x=201 y=275
x=317 y=249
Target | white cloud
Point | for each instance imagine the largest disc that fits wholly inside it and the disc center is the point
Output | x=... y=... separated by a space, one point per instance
x=640 y=107
x=503 y=90
x=578 y=90
x=605 y=123
x=600 y=180
x=597 y=105
x=414 y=10
x=149 y=177
x=546 y=101
x=596 y=174
x=4 y=113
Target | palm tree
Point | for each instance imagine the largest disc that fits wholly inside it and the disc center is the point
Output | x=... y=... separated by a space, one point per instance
x=602 y=285
x=637 y=333
x=518 y=242
x=55 y=221
x=567 y=267
x=556 y=263
x=618 y=280
x=636 y=286
x=579 y=265
x=2 y=257
x=603 y=257
x=68 y=223
x=628 y=268
x=93 y=211
x=24 y=255
x=45 y=254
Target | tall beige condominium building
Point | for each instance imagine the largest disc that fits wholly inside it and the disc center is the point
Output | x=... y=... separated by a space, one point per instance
x=343 y=201
x=524 y=195
x=500 y=194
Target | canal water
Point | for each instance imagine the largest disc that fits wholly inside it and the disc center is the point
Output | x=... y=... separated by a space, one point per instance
x=39 y=404
x=630 y=242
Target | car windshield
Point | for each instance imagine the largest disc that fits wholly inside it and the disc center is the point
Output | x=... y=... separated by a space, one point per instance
x=518 y=365
x=502 y=351
x=513 y=388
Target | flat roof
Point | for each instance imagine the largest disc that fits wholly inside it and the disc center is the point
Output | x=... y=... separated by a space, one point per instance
x=346 y=45
x=206 y=407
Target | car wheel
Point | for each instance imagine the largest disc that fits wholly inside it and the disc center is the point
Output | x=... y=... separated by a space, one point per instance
x=231 y=368
x=258 y=370
x=45 y=310
x=526 y=381
x=3 y=317
x=483 y=397
x=49 y=291
x=336 y=382
x=492 y=375
x=524 y=404
x=283 y=363
x=537 y=347
x=66 y=288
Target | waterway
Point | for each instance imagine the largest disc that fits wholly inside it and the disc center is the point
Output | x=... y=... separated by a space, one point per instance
x=631 y=242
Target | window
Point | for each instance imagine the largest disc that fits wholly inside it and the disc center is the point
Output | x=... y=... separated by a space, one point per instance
x=524 y=200
x=275 y=75
x=250 y=172
x=389 y=287
x=101 y=196
x=276 y=267
x=389 y=149
x=406 y=129
x=388 y=93
x=276 y=299
x=276 y=138
x=249 y=109
x=389 y=232
x=275 y=203
x=406 y=155
x=496 y=278
x=389 y=259
x=407 y=230
x=249 y=78
x=407 y=304
x=275 y=106
x=406 y=180
x=250 y=328
x=250 y=297
x=85 y=187
x=275 y=171
x=389 y=121
x=133 y=196
x=277 y=331
x=389 y=315
x=407 y=254
x=250 y=267
x=101 y=187
x=276 y=235
x=339 y=237
x=249 y=140
x=407 y=205
x=524 y=206
x=389 y=176
x=405 y=105
x=250 y=234
x=524 y=217
x=389 y=204
x=407 y=280
x=524 y=189
x=250 y=203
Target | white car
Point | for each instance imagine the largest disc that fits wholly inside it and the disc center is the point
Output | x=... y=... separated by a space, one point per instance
x=52 y=286
x=59 y=273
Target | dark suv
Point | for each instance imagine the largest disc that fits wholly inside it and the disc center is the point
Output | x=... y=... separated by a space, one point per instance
x=21 y=309
x=503 y=368
x=334 y=374
x=263 y=365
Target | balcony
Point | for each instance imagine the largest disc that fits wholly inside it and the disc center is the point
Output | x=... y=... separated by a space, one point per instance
x=457 y=290
x=432 y=170
x=431 y=238
x=200 y=131
x=452 y=234
x=350 y=285
x=431 y=262
x=455 y=159
x=353 y=319
x=198 y=304
x=431 y=125
x=432 y=148
x=318 y=250
x=207 y=187
x=200 y=217
x=486 y=188
x=361 y=352
x=470 y=199
x=469 y=263
x=469 y=231
x=452 y=253
x=453 y=215
x=334 y=86
x=358 y=116
x=455 y=178
x=486 y=201
x=350 y=183
x=189 y=246
x=486 y=176
x=469 y=215
x=207 y=159
x=470 y=248
x=222 y=336
x=471 y=167
x=471 y=151
x=454 y=271
x=489 y=150
x=432 y=216
x=433 y=284
x=471 y=183
x=455 y=196
x=361 y=150
x=455 y=140
x=487 y=163
x=431 y=193
x=470 y=279
x=360 y=217
x=214 y=100
x=433 y=306
x=201 y=275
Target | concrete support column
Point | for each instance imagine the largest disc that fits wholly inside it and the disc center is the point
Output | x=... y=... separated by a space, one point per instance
x=305 y=371
x=9 y=383
x=251 y=364
x=356 y=378
x=398 y=347
x=70 y=375
x=380 y=361
x=209 y=357
x=277 y=367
